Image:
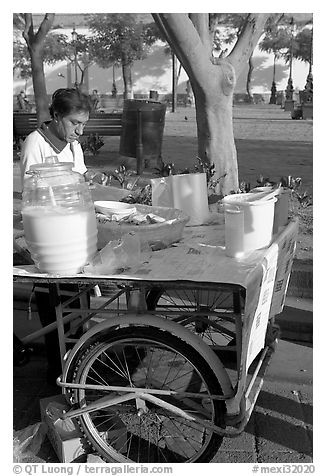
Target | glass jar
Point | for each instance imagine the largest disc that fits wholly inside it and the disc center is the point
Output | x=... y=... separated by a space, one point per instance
x=58 y=217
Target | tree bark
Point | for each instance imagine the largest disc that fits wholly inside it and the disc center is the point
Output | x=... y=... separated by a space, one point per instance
x=214 y=126
x=174 y=83
x=213 y=81
x=35 y=42
x=248 y=82
x=127 y=80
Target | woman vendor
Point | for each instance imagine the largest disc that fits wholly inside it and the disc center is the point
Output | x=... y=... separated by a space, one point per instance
x=69 y=113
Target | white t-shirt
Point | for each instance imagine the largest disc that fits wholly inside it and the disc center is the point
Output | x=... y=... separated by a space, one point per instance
x=35 y=149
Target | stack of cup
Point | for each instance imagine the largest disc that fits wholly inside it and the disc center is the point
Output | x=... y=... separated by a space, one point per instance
x=234 y=226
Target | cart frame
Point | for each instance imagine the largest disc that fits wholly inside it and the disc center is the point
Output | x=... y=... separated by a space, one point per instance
x=239 y=394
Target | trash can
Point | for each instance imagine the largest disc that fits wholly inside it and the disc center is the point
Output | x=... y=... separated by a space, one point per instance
x=142 y=131
x=153 y=95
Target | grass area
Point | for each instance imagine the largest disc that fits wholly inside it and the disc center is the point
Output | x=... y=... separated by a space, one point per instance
x=267 y=140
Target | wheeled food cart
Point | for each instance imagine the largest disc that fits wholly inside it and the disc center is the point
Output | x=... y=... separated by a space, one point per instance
x=173 y=358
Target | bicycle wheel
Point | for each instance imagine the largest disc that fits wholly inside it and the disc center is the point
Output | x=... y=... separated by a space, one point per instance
x=210 y=313
x=144 y=431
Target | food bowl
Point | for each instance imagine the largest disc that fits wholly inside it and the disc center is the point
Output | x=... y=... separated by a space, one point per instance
x=156 y=235
x=110 y=208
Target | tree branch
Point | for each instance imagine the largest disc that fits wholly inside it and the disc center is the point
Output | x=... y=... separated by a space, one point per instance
x=185 y=41
x=248 y=38
x=28 y=32
x=201 y=23
x=45 y=26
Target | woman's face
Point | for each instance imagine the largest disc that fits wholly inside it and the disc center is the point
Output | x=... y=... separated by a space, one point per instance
x=70 y=127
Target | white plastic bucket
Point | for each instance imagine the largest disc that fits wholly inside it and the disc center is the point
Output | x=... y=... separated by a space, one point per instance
x=257 y=222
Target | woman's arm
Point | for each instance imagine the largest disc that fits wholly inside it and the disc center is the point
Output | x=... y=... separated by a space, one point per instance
x=79 y=163
x=31 y=153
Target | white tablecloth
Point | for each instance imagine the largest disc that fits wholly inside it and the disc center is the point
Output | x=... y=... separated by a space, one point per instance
x=200 y=257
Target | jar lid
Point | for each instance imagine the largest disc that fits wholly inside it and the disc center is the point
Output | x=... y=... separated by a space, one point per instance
x=51 y=165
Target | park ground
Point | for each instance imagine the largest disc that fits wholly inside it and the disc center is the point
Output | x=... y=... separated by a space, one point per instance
x=268 y=143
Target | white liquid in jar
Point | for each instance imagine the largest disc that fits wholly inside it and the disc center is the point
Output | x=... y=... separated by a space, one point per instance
x=60 y=241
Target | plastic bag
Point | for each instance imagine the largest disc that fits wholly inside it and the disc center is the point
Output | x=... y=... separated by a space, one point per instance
x=64 y=427
x=186 y=192
x=27 y=443
x=117 y=254
x=94 y=459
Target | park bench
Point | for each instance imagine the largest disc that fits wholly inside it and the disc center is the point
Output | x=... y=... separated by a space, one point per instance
x=103 y=124
x=182 y=100
x=99 y=124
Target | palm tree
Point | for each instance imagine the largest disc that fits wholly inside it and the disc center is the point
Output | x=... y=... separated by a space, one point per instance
x=275 y=40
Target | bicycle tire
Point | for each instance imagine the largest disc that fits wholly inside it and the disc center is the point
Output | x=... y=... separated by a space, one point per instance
x=215 y=329
x=129 y=356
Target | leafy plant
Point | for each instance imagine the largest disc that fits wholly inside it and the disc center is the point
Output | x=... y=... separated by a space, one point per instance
x=92 y=144
x=125 y=177
x=294 y=184
x=209 y=169
x=165 y=169
x=244 y=187
x=265 y=182
x=141 y=195
x=304 y=199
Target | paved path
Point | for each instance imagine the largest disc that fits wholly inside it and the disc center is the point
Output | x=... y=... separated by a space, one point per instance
x=279 y=430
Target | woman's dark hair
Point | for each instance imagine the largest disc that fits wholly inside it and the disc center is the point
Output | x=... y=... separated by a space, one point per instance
x=68 y=100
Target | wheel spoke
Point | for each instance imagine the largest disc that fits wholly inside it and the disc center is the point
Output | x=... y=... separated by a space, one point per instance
x=149 y=428
x=208 y=313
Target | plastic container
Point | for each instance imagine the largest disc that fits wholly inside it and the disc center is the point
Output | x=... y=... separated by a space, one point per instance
x=282 y=208
x=58 y=217
x=114 y=209
x=258 y=218
x=281 y=215
x=157 y=235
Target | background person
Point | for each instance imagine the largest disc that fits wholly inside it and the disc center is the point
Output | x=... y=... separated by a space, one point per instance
x=22 y=101
x=95 y=98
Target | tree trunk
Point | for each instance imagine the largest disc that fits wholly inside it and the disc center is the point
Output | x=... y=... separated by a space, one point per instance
x=35 y=43
x=41 y=98
x=174 y=83
x=215 y=129
x=248 y=83
x=127 y=80
x=212 y=80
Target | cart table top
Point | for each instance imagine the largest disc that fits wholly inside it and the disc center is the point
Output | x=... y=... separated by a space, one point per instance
x=199 y=259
